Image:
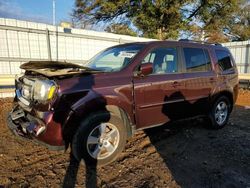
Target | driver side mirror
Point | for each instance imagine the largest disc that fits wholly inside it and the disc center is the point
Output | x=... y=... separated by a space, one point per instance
x=145 y=69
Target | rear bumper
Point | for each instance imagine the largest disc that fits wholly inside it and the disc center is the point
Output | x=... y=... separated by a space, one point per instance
x=43 y=131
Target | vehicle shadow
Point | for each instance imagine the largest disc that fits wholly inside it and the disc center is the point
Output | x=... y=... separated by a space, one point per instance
x=171 y=141
x=198 y=156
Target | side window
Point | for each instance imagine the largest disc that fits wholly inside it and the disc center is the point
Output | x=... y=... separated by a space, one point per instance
x=164 y=60
x=224 y=59
x=197 y=60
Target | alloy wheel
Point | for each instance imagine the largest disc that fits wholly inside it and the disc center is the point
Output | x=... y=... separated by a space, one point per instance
x=221 y=112
x=103 y=140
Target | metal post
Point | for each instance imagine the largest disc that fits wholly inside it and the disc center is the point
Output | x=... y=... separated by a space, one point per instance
x=48 y=44
x=54 y=23
x=54 y=12
x=56 y=43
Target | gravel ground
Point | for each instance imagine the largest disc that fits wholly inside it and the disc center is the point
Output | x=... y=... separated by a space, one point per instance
x=181 y=154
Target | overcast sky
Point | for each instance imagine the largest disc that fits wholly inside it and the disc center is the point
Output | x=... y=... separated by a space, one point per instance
x=36 y=10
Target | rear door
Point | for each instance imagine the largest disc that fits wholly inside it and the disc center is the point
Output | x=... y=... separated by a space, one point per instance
x=154 y=93
x=200 y=79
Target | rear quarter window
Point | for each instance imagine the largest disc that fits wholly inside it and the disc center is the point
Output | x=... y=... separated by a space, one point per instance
x=224 y=59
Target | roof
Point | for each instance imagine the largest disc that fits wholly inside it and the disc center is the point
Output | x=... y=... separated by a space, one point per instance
x=182 y=42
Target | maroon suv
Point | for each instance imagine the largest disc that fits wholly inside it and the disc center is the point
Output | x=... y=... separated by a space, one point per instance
x=96 y=108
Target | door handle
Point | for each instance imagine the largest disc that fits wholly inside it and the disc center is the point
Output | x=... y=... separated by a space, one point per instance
x=175 y=84
x=212 y=80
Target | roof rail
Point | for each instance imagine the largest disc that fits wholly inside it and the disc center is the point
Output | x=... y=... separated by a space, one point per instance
x=201 y=42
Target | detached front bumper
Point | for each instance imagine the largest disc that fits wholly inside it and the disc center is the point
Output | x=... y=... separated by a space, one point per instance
x=44 y=131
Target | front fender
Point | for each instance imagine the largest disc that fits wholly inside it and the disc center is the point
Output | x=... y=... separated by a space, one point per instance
x=93 y=102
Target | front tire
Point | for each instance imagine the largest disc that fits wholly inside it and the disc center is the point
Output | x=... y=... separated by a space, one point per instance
x=100 y=139
x=219 y=112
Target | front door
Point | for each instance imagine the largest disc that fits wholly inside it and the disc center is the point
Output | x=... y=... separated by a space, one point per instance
x=156 y=93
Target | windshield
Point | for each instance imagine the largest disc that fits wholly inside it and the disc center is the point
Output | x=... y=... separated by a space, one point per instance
x=114 y=59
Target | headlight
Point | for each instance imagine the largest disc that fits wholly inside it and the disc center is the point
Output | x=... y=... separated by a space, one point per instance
x=44 y=90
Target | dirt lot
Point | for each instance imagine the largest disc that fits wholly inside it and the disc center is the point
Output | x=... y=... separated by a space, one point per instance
x=183 y=154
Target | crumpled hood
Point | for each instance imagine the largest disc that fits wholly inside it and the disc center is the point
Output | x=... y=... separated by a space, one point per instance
x=48 y=65
x=54 y=68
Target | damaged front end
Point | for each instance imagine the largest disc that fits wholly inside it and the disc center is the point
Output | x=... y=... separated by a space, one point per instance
x=36 y=126
x=41 y=108
x=32 y=114
x=25 y=125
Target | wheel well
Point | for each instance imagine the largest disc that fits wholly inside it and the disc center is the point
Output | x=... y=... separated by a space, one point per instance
x=227 y=94
x=72 y=124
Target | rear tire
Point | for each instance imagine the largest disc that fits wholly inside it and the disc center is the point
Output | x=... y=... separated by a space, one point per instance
x=220 y=112
x=99 y=139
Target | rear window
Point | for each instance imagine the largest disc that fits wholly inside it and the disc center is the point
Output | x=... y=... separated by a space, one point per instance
x=197 y=60
x=224 y=59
